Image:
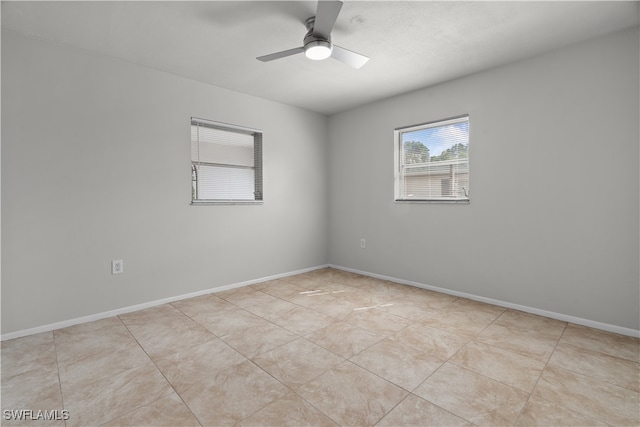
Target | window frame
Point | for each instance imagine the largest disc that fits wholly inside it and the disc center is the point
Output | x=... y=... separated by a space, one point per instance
x=257 y=167
x=398 y=165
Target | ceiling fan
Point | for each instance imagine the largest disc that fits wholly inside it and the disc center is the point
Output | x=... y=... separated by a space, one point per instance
x=317 y=42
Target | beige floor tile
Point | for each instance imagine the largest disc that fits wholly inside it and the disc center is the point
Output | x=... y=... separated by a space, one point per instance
x=333 y=275
x=402 y=365
x=253 y=341
x=34 y=418
x=303 y=321
x=621 y=372
x=203 y=305
x=290 y=410
x=391 y=287
x=113 y=397
x=352 y=396
x=477 y=307
x=199 y=363
x=219 y=359
x=169 y=411
x=90 y=339
x=432 y=341
x=363 y=298
x=605 y=342
x=90 y=367
x=463 y=317
x=535 y=345
x=590 y=397
x=261 y=286
x=158 y=341
x=280 y=289
x=243 y=296
x=428 y=298
x=381 y=291
x=474 y=397
x=407 y=309
x=297 y=362
x=273 y=310
x=337 y=289
x=539 y=412
x=527 y=322
x=36 y=389
x=225 y=322
x=253 y=298
x=377 y=321
x=142 y=317
x=339 y=308
x=501 y=365
x=366 y=283
x=306 y=280
x=161 y=333
x=344 y=339
x=232 y=395
x=416 y=412
x=312 y=298
x=524 y=333
x=27 y=353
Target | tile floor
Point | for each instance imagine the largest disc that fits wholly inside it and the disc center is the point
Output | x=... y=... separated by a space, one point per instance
x=325 y=348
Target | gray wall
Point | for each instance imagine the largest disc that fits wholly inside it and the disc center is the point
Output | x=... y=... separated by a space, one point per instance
x=96 y=167
x=553 y=222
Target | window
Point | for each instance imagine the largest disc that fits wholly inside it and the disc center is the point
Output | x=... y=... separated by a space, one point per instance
x=226 y=163
x=432 y=162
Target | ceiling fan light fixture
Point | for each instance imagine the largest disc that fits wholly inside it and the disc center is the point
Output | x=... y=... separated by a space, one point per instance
x=318 y=49
x=316 y=44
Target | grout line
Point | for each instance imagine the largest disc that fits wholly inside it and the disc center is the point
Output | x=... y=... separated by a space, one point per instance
x=273 y=401
x=315 y=407
x=161 y=373
x=394 y=407
x=344 y=360
x=542 y=373
x=592 y=351
x=55 y=350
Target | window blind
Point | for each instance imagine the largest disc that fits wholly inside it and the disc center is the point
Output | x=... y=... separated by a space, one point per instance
x=432 y=161
x=226 y=162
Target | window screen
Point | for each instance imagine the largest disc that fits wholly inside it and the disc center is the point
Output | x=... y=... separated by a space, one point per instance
x=432 y=161
x=226 y=163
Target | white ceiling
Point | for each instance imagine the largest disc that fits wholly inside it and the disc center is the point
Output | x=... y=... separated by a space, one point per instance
x=412 y=44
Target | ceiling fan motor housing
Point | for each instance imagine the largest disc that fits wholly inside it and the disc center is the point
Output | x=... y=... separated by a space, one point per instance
x=315 y=46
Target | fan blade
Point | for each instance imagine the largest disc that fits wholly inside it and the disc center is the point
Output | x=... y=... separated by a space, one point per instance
x=282 y=54
x=348 y=57
x=326 y=16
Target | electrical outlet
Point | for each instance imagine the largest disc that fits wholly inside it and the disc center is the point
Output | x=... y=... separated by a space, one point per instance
x=117 y=266
x=363 y=243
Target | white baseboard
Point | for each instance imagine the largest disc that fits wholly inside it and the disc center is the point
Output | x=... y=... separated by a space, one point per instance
x=553 y=315
x=129 y=309
x=558 y=316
